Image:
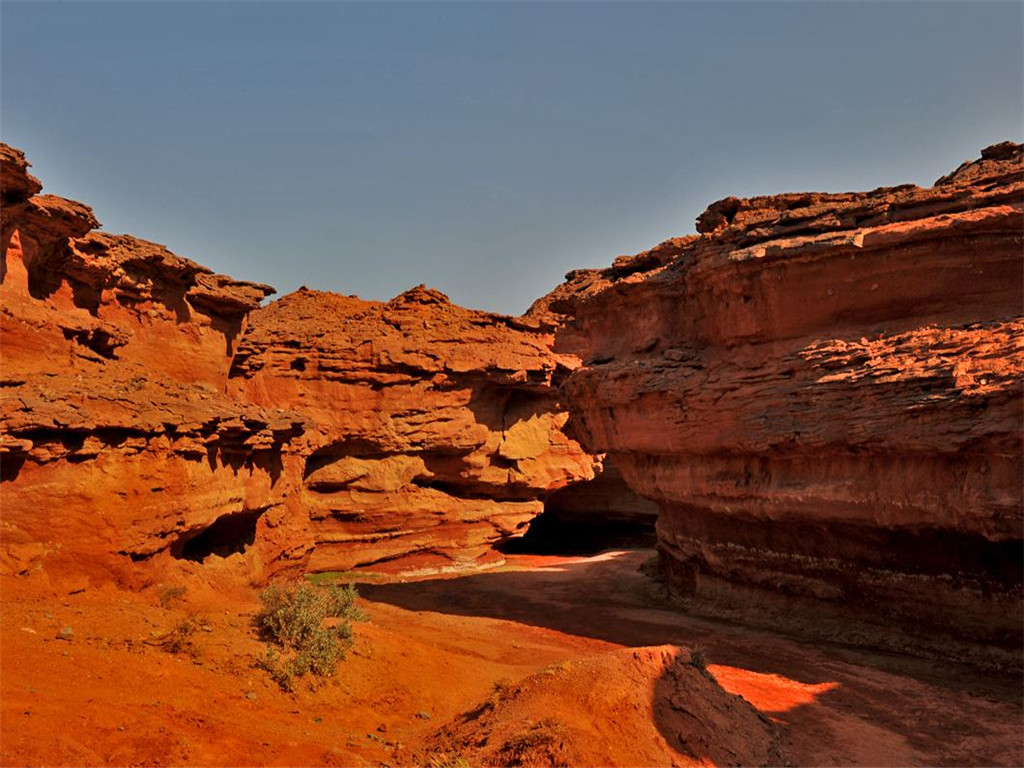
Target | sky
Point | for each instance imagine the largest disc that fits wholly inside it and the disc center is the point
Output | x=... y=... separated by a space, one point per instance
x=486 y=148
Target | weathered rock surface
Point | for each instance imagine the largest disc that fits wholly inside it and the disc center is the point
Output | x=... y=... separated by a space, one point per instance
x=438 y=429
x=822 y=393
x=150 y=412
x=118 y=441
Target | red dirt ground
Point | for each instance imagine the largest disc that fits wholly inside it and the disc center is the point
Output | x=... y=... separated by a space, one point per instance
x=434 y=649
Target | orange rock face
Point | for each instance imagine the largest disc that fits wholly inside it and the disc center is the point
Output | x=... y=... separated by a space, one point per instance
x=118 y=441
x=438 y=430
x=822 y=393
x=819 y=396
x=151 y=413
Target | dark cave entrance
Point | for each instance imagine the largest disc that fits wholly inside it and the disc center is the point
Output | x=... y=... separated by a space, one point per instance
x=589 y=517
x=551 y=534
x=225 y=536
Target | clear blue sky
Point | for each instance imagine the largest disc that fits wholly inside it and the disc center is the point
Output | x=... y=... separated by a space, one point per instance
x=485 y=149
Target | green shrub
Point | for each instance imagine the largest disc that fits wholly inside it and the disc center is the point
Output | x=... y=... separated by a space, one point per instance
x=312 y=627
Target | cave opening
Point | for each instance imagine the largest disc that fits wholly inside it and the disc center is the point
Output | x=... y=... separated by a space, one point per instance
x=589 y=517
x=550 y=534
x=225 y=536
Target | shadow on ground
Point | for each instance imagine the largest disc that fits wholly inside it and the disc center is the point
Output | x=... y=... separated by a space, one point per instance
x=853 y=706
x=609 y=597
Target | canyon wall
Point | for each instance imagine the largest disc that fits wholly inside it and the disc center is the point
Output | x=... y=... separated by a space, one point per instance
x=822 y=394
x=818 y=396
x=153 y=418
x=118 y=442
x=438 y=430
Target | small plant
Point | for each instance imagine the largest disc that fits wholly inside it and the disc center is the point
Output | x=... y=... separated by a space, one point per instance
x=279 y=672
x=554 y=669
x=312 y=625
x=502 y=690
x=168 y=593
x=526 y=747
x=180 y=639
x=448 y=761
x=699 y=659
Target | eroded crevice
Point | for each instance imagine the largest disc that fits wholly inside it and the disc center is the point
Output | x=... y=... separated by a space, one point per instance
x=353 y=447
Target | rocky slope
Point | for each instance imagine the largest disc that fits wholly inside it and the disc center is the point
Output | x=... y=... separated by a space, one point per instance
x=438 y=429
x=822 y=394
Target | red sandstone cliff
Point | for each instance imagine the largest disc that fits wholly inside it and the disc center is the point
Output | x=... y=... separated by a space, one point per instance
x=141 y=413
x=822 y=393
x=438 y=429
x=118 y=442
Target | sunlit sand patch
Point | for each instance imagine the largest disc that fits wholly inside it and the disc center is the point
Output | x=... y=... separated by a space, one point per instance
x=770 y=693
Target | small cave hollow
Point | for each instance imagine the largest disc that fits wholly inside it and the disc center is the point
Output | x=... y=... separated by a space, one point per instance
x=225 y=536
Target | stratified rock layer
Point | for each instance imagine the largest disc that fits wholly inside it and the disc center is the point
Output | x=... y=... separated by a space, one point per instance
x=142 y=414
x=118 y=443
x=822 y=393
x=438 y=429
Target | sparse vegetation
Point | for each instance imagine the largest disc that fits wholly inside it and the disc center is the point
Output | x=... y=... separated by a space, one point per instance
x=521 y=748
x=168 y=593
x=181 y=638
x=502 y=690
x=310 y=625
x=699 y=659
x=554 y=669
x=448 y=761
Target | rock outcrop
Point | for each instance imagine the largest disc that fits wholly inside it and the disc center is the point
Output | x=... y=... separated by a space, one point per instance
x=152 y=413
x=118 y=441
x=822 y=394
x=438 y=429
x=819 y=396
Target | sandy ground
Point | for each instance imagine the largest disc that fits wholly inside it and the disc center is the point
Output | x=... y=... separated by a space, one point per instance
x=433 y=649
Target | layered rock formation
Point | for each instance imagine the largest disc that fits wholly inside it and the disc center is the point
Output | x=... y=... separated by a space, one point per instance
x=819 y=395
x=118 y=442
x=822 y=393
x=146 y=418
x=438 y=429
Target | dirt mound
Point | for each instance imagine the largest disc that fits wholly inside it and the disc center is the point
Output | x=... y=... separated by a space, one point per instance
x=645 y=706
